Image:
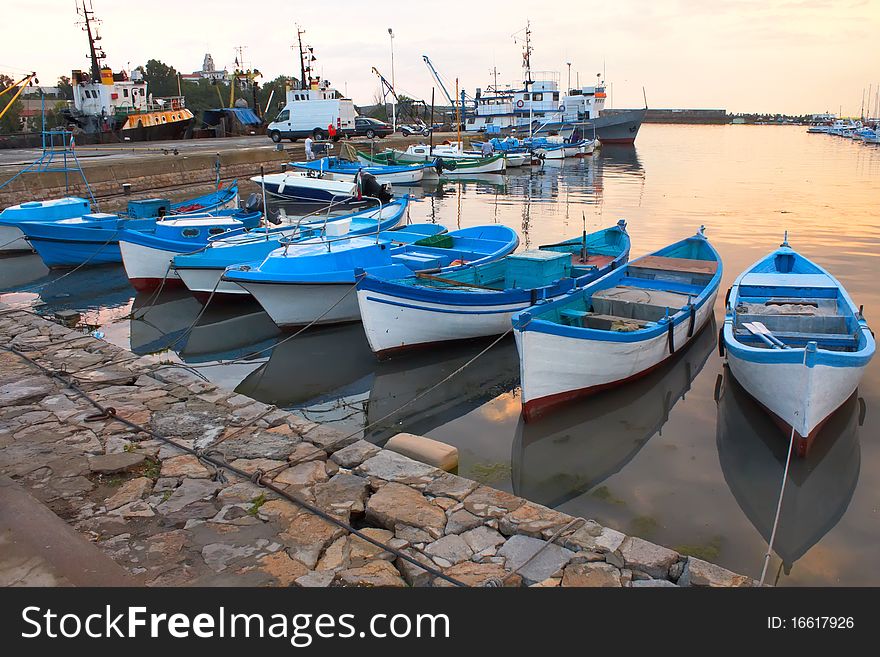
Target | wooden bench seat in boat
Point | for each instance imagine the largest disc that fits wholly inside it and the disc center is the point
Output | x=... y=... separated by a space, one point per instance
x=639 y=303
x=584 y=319
x=683 y=269
x=800 y=324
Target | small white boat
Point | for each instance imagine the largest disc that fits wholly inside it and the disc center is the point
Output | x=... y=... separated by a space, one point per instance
x=617 y=328
x=308 y=186
x=795 y=341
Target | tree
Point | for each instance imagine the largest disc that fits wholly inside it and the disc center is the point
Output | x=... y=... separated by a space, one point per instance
x=65 y=88
x=161 y=79
x=11 y=121
x=279 y=86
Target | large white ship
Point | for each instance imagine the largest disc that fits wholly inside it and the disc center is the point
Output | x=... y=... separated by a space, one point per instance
x=541 y=107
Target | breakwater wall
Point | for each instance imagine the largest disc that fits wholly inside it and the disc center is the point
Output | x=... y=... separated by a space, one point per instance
x=156 y=170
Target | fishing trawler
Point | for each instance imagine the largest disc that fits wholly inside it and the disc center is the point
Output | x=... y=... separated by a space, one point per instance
x=540 y=108
x=110 y=106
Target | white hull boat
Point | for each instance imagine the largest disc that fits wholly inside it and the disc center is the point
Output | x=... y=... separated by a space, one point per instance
x=618 y=328
x=795 y=341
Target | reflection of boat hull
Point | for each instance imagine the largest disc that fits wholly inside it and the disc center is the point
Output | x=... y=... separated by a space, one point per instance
x=819 y=487
x=327 y=362
x=159 y=324
x=572 y=451
x=399 y=382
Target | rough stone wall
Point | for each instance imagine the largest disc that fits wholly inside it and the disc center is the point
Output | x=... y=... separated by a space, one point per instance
x=169 y=520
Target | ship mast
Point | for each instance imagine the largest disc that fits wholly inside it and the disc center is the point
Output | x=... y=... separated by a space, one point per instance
x=95 y=52
x=302 y=61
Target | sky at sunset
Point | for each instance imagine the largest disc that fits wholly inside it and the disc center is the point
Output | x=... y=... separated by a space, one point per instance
x=786 y=56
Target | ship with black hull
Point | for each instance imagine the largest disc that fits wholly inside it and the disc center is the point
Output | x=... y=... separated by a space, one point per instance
x=109 y=107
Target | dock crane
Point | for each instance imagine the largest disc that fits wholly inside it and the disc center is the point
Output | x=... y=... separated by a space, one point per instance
x=405 y=105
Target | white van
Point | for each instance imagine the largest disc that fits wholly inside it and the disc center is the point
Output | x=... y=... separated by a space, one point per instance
x=308 y=112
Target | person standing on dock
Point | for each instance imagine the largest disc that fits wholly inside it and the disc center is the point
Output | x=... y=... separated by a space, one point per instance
x=331 y=131
x=309 y=154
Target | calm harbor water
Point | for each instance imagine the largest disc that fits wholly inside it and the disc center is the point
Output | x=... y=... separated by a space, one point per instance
x=683 y=457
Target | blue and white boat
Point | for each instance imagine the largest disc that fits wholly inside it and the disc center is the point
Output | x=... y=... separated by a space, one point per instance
x=419 y=309
x=147 y=254
x=618 y=328
x=309 y=186
x=401 y=174
x=201 y=272
x=93 y=238
x=313 y=281
x=795 y=341
x=12 y=240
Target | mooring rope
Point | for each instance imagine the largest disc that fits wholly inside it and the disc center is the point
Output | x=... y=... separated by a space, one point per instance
x=779 y=501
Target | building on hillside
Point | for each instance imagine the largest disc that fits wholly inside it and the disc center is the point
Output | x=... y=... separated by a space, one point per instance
x=208 y=72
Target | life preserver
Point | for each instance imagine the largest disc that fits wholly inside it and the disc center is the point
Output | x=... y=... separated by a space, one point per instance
x=562 y=108
x=519 y=103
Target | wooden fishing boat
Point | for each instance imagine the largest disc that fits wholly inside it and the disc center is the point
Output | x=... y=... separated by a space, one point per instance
x=417 y=310
x=313 y=281
x=617 y=328
x=201 y=272
x=94 y=238
x=795 y=341
x=147 y=257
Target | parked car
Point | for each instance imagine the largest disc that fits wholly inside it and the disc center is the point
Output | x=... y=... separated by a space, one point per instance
x=371 y=128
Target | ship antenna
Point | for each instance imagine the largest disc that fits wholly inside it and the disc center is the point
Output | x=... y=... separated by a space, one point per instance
x=95 y=53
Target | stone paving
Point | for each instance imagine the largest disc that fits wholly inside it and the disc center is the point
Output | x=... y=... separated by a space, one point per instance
x=169 y=520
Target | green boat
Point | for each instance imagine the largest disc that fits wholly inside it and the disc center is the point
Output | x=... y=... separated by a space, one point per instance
x=450 y=165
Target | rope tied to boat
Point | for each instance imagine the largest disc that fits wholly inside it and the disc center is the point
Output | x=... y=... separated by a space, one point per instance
x=768 y=554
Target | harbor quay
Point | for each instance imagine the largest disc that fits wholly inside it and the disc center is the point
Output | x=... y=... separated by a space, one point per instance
x=118 y=173
x=117 y=469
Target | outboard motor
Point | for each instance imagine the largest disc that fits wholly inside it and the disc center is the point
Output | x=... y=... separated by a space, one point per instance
x=253 y=202
x=442 y=165
x=369 y=186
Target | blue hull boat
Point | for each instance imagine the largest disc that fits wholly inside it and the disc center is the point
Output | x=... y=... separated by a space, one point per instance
x=479 y=301
x=201 y=272
x=795 y=341
x=402 y=174
x=313 y=281
x=617 y=328
x=147 y=255
x=94 y=238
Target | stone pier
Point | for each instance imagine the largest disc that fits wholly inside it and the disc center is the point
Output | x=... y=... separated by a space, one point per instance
x=167 y=519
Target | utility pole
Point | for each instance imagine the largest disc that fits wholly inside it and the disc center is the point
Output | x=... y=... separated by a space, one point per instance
x=393 y=104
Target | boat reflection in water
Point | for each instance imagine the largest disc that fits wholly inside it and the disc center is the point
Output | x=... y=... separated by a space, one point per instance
x=400 y=380
x=819 y=487
x=569 y=452
x=318 y=365
x=171 y=321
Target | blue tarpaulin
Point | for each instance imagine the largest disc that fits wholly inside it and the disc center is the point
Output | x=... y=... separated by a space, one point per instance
x=243 y=115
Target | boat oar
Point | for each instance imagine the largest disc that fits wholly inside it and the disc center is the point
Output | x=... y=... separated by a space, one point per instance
x=763 y=329
x=754 y=330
